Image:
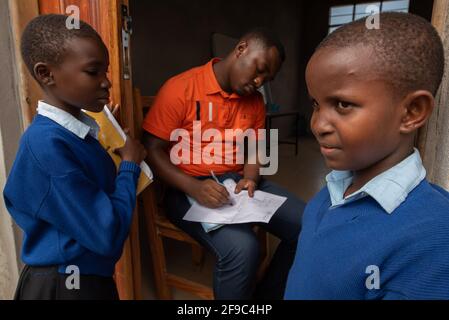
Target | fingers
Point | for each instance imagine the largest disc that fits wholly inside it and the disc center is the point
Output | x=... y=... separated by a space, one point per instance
x=251 y=187
x=210 y=200
x=220 y=196
x=238 y=188
x=113 y=108
x=217 y=193
x=215 y=201
x=114 y=111
x=219 y=188
x=245 y=184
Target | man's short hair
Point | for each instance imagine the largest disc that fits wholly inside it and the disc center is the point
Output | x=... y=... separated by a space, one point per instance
x=267 y=38
x=45 y=37
x=407 y=49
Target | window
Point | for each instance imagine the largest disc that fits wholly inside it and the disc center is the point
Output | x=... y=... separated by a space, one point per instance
x=340 y=15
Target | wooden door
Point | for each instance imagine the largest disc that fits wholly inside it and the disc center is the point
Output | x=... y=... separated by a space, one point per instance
x=107 y=17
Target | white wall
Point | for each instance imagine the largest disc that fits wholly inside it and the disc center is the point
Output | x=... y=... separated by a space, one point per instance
x=10 y=131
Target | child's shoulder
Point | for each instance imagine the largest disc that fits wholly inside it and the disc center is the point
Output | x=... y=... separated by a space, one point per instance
x=44 y=132
x=426 y=211
x=46 y=143
x=320 y=199
x=426 y=215
x=322 y=195
x=440 y=191
x=429 y=196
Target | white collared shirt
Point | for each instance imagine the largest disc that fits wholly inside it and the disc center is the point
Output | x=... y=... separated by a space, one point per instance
x=389 y=189
x=81 y=127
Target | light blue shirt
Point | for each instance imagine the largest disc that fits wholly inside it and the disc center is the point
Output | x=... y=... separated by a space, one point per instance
x=81 y=127
x=389 y=189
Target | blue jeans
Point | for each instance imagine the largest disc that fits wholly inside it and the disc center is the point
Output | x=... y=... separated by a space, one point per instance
x=237 y=248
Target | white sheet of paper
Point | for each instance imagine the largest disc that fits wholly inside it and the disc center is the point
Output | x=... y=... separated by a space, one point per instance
x=260 y=208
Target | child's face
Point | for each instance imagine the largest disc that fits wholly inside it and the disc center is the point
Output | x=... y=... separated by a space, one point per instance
x=80 y=80
x=356 y=116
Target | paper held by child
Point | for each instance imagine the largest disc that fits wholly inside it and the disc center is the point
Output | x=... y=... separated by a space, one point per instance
x=244 y=209
x=112 y=137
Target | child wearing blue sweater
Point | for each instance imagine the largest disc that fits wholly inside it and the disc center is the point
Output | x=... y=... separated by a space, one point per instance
x=63 y=190
x=379 y=229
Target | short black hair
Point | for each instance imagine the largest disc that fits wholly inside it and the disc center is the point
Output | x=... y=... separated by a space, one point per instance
x=267 y=38
x=45 y=37
x=407 y=49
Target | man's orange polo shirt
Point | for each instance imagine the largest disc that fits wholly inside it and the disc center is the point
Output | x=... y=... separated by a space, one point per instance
x=195 y=95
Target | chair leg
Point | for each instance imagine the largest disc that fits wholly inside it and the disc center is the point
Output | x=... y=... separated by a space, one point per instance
x=156 y=247
x=163 y=291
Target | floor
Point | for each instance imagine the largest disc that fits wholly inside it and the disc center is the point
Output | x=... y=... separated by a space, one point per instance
x=302 y=174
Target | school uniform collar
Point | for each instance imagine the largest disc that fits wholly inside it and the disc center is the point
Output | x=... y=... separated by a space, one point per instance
x=81 y=127
x=389 y=188
x=211 y=84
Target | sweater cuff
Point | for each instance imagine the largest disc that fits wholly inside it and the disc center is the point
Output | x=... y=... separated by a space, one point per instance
x=129 y=166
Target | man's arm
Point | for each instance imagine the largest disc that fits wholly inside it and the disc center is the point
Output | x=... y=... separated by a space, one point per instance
x=206 y=192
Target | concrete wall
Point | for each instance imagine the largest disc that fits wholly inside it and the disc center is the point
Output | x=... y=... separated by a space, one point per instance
x=10 y=130
x=434 y=138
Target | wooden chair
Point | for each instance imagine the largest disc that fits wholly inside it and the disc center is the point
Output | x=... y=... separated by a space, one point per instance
x=159 y=227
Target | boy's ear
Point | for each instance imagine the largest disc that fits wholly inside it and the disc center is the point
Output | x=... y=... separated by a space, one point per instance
x=240 y=48
x=418 y=107
x=43 y=74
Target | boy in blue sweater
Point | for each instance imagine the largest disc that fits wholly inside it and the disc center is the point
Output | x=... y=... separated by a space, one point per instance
x=379 y=229
x=63 y=190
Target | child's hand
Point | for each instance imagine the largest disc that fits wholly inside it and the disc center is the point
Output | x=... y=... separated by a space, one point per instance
x=113 y=108
x=132 y=151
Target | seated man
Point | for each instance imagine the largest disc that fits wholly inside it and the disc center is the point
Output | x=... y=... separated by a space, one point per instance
x=223 y=95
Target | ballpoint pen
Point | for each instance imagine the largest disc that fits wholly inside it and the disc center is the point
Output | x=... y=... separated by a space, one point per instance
x=231 y=202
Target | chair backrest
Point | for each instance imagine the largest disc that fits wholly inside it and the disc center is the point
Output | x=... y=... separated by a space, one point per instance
x=141 y=106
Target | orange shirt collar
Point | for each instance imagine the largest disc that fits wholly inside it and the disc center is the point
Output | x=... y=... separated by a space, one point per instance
x=212 y=86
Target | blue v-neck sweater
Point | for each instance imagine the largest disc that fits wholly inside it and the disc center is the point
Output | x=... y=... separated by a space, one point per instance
x=343 y=251
x=66 y=195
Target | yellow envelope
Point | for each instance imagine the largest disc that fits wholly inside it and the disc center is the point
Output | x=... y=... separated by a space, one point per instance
x=112 y=137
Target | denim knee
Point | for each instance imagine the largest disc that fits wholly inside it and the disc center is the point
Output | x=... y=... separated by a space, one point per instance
x=241 y=254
